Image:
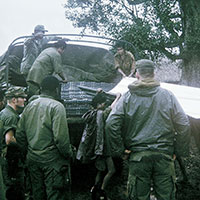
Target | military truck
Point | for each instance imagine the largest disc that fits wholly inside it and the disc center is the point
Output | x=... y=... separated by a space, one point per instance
x=85 y=64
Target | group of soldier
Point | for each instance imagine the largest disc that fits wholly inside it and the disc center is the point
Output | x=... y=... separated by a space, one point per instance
x=41 y=133
x=146 y=125
x=47 y=148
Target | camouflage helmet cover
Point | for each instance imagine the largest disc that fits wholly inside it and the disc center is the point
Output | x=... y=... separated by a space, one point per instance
x=15 y=92
x=144 y=63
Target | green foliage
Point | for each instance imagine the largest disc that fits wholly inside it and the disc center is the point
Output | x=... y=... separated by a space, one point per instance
x=154 y=27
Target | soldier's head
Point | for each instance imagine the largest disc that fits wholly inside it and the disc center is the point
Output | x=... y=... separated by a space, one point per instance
x=120 y=47
x=16 y=97
x=99 y=101
x=60 y=45
x=50 y=85
x=39 y=31
x=144 y=69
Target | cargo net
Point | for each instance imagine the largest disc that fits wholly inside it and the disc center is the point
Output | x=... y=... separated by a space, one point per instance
x=77 y=101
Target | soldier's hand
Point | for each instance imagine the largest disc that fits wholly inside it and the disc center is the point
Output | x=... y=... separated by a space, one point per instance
x=64 y=81
x=99 y=90
x=74 y=152
x=126 y=154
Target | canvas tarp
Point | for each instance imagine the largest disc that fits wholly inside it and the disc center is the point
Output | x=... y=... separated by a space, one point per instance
x=188 y=97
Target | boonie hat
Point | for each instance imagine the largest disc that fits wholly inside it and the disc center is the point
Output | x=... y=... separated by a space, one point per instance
x=144 y=63
x=39 y=28
x=15 y=92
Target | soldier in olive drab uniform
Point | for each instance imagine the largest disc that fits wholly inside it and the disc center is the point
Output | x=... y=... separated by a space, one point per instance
x=9 y=117
x=124 y=62
x=155 y=128
x=43 y=133
x=47 y=63
x=2 y=189
x=33 y=47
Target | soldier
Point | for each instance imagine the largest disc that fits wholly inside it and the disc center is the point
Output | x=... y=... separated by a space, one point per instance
x=124 y=62
x=2 y=189
x=33 y=47
x=151 y=119
x=9 y=117
x=43 y=133
x=94 y=144
x=47 y=63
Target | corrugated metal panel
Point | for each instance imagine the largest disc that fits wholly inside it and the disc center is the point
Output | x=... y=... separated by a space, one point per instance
x=77 y=102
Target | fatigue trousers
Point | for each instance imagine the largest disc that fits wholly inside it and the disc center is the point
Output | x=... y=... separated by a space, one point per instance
x=2 y=189
x=49 y=182
x=14 y=182
x=151 y=170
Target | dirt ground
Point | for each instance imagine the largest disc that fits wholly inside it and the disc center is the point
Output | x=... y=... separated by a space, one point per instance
x=83 y=179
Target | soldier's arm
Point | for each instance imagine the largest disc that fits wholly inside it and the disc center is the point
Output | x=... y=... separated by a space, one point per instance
x=20 y=134
x=62 y=76
x=57 y=62
x=9 y=137
x=132 y=66
x=182 y=128
x=114 y=127
x=121 y=72
x=9 y=125
x=117 y=66
x=60 y=131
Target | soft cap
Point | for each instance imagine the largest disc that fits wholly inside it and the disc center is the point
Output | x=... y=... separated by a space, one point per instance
x=39 y=28
x=144 y=63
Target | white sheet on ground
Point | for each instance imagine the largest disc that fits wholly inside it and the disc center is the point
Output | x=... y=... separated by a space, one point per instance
x=188 y=97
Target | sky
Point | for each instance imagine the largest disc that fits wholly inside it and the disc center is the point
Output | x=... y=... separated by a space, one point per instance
x=19 y=17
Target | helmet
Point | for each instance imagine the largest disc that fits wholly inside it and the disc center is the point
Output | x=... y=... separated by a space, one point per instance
x=15 y=92
x=39 y=28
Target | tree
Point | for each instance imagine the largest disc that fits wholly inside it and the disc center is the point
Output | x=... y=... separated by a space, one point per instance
x=155 y=27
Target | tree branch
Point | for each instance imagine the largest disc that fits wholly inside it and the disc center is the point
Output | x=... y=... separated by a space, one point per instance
x=168 y=53
x=135 y=2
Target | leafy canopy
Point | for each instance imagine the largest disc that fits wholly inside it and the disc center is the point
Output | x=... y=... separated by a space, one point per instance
x=155 y=27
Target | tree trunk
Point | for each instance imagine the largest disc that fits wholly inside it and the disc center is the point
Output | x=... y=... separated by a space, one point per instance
x=191 y=72
x=191 y=27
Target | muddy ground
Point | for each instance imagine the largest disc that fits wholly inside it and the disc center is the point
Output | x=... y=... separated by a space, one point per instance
x=83 y=179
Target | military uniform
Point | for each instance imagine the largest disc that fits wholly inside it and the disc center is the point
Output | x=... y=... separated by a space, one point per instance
x=43 y=133
x=32 y=48
x=149 y=117
x=9 y=119
x=2 y=189
x=124 y=62
x=47 y=63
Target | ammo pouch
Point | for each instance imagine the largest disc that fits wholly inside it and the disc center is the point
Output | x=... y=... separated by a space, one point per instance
x=61 y=177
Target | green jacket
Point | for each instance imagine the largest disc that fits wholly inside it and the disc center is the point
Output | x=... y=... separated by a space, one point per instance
x=43 y=131
x=32 y=48
x=146 y=119
x=47 y=63
x=8 y=120
x=124 y=62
